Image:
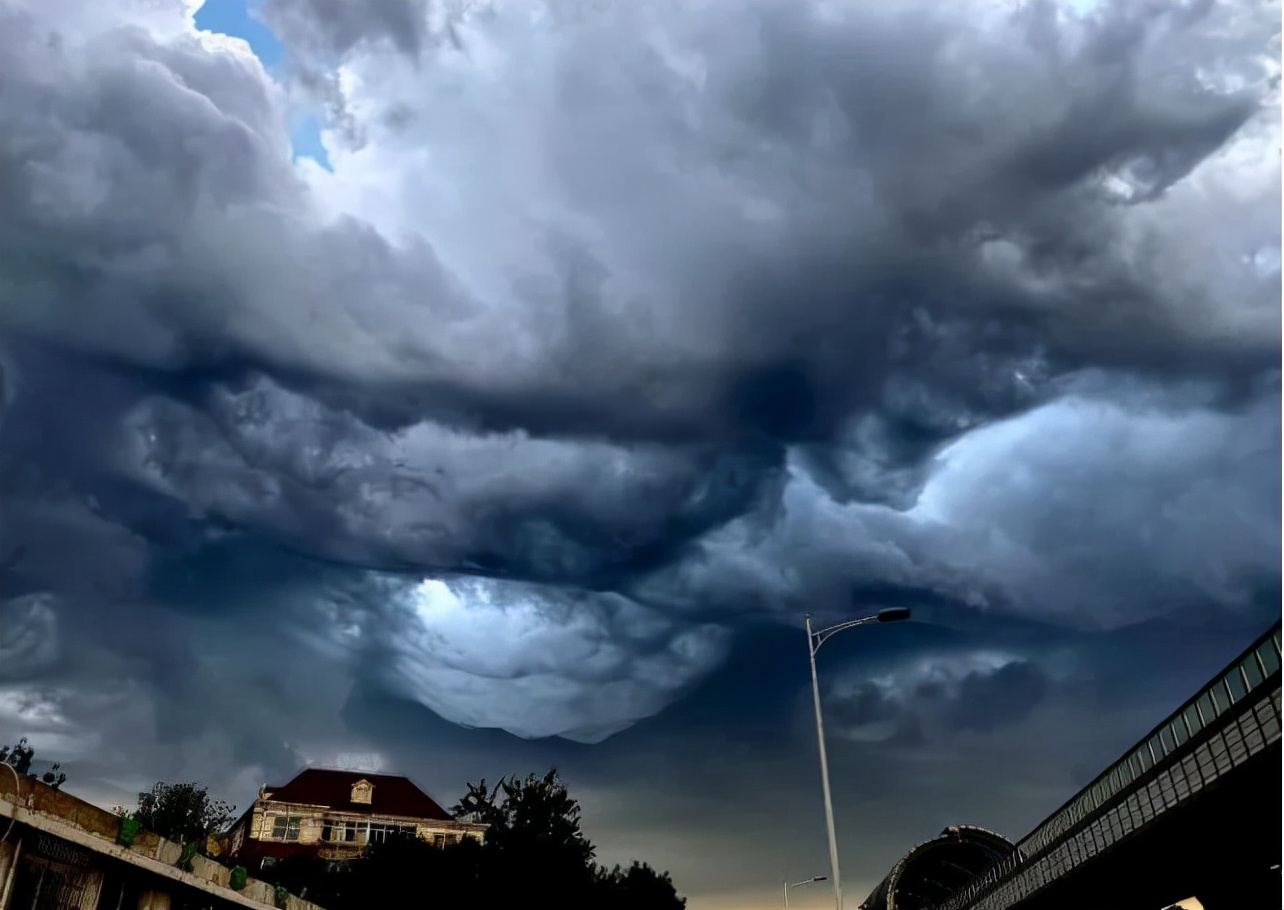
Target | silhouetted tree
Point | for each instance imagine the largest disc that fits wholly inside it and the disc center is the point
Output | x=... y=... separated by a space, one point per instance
x=306 y=876
x=534 y=846
x=183 y=812
x=638 y=887
x=534 y=854
x=387 y=873
x=20 y=756
x=532 y=814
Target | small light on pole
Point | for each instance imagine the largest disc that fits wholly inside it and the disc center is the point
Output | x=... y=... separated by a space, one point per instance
x=806 y=881
x=893 y=614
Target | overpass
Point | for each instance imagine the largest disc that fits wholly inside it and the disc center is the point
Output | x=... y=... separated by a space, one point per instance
x=1191 y=810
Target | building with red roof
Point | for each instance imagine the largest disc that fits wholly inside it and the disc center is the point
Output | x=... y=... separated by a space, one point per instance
x=334 y=815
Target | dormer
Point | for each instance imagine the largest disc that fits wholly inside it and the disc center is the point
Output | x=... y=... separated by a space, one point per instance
x=362 y=792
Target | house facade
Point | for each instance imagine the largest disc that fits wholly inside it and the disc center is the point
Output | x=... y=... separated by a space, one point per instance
x=334 y=815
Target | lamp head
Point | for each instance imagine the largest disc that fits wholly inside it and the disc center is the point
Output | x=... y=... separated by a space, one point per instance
x=893 y=614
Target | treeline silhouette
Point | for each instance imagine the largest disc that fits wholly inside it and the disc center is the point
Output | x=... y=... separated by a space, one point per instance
x=534 y=854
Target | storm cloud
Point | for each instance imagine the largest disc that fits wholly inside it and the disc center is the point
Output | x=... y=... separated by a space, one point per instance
x=610 y=332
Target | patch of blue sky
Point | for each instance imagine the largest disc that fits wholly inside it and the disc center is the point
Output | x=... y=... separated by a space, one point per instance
x=244 y=19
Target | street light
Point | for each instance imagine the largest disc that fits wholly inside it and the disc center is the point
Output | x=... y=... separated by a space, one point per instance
x=806 y=881
x=814 y=641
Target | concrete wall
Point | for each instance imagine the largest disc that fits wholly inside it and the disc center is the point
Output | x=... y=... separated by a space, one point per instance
x=34 y=805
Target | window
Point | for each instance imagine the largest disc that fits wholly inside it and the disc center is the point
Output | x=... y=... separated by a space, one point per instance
x=341 y=831
x=381 y=833
x=285 y=828
x=267 y=862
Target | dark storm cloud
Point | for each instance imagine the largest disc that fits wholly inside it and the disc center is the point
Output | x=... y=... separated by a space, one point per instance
x=28 y=636
x=967 y=692
x=431 y=498
x=622 y=326
x=897 y=244
x=730 y=775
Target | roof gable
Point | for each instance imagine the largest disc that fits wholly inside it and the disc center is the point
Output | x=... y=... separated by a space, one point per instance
x=390 y=794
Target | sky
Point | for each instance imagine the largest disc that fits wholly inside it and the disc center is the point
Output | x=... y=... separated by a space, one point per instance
x=460 y=389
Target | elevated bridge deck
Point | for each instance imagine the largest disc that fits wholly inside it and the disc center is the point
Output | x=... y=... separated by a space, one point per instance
x=1192 y=810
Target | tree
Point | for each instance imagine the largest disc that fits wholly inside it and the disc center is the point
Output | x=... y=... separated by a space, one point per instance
x=387 y=872
x=638 y=887
x=307 y=876
x=534 y=854
x=533 y=846
x=533 y=814
x=183 y=812
x=20 y=756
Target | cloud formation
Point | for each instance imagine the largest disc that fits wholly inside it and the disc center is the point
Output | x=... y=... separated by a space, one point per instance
x=616 y=326
x=940 y=694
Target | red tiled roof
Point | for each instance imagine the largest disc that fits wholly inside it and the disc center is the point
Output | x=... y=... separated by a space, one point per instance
x=392 y=795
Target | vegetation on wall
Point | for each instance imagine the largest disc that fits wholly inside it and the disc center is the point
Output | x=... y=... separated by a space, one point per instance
x=20 y=755
x=183 y=812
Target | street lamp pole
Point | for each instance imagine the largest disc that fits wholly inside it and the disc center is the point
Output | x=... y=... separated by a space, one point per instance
x=814 y=641
x=806 y=881
x=812 y=646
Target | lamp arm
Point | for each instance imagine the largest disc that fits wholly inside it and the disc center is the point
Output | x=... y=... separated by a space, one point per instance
x=819 y=638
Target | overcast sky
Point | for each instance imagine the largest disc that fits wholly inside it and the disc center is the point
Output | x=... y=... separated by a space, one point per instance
x=464 y=388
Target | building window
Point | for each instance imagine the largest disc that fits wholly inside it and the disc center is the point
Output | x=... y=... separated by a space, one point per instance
x=362 y=792
x=338 y=831
x=285 y=828
x=382 y=833
x=267 y=862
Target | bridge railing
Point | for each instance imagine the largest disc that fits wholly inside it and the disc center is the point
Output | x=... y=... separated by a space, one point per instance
x=1233 y=717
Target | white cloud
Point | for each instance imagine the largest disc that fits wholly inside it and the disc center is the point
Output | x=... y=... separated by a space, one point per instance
x=537 y=662
x=1143 y=506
